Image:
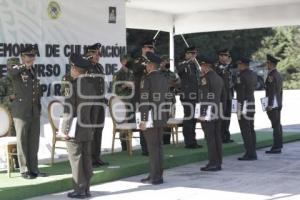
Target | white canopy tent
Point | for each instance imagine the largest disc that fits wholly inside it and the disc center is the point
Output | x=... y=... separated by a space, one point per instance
x=192 y=16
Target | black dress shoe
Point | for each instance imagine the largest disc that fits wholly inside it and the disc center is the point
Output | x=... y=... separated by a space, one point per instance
x=274 y=151
x=76 y=195
x=40 y=174
x=247 y=158
x=211 y=168
x=145 y=180
x=193 y=146
x=27 y=175
x=228 y=141
x=158 y=182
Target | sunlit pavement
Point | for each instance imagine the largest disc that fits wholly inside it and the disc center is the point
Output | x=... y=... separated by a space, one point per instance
x=272 y=177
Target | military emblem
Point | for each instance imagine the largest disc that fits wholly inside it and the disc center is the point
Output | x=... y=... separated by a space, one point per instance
x=54 y=10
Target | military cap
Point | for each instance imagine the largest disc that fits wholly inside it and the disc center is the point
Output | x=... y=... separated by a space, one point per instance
x=244 y=60
x=152 y=57
x=206 y=59
x=13 y=61
x=149 y=43
x=94 y=47
x=224 y=51
x=78 y=61
x=272 y=59
x=191 y=49
x=28 y=50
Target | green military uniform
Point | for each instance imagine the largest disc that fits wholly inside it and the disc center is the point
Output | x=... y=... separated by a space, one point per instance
x=274 y=90
x=173 y=82
x=7 y=93
x=79 y=148
x=97 y=74
x=245 y=87
x=124 y=74
x=155 y=83
x=26 y=109
x=212 y=94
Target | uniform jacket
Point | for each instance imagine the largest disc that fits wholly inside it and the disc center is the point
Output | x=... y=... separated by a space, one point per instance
x=274 y=88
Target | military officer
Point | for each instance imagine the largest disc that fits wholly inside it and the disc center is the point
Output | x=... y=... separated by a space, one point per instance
x=79 y=147
x=223 y=69
x=189 y=74
x=211 y=90
x=97 y=72
x=174 y=83
x=26 y=110
x=139 y=72
x=245 y=86
x=274 y=93
x=154 y=98
x=123 y=83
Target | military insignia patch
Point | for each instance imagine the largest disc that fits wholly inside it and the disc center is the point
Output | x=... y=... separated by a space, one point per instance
x=203 y=81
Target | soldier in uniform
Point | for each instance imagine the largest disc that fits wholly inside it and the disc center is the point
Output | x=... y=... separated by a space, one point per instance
x=124 y=89
x=223 y=69
x=245 y=86
x=174 y=83
x=211 y=90
x=274 y=93
x=79 y=147
x=96 y=70
x=154 y=95
x=189 y=74
x=26 y=110
x=139 y=72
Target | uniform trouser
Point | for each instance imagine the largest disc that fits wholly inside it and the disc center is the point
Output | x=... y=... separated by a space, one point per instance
x=214 y=142
x=274 y=116
x=248 y=133
x=28 y=139
x=167 y=135
x=189 y=124
x=81 y=164
x=225 y=123
x=97 y=141
x=153 y=137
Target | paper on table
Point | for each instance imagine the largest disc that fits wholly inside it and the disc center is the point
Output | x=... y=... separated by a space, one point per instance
x=72 y=130
x=234 y=106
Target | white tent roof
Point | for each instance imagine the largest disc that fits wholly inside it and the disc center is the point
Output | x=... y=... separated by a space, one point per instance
x=190 y=16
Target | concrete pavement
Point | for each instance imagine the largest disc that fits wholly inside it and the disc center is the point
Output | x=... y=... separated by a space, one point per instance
x=272 y=177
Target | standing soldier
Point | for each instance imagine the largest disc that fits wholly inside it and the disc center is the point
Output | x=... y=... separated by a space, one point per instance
x=211 y=94
x=139 y=72
x=97 y=72
x=189 y=74
x=154 y=98
x=26 y=110
x=123 y=84
x=245 y=86
x=274 y=93
x=174 y=82
x=79 y=147
x=223 y=69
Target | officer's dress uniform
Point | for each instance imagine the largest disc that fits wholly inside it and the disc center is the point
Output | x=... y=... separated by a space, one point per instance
x=98 y=113
x=26 y=110
x=154 y=83
x=139 y=72
x=124 y=75
x=79 y=148
x=211 y=91
x=189 y=76
x=245 y=87
x=224 y=72
x=274 y=89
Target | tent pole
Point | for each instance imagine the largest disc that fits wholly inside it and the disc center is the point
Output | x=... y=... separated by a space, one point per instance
x=171 y=50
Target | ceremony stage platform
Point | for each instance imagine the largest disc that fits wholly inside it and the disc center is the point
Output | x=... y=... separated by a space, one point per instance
x=121 y=165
